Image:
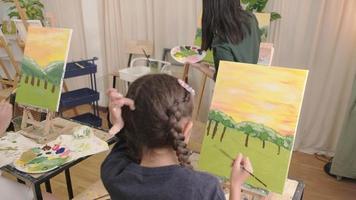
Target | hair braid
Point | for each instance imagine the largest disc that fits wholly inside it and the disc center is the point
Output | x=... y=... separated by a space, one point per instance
x=183 y=153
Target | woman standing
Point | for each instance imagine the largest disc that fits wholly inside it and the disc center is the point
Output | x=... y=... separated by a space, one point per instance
x=231 y=32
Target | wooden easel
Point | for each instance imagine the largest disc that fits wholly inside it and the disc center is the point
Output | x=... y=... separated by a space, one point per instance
x=8 y=82
x=42 y=132
x=24 y=18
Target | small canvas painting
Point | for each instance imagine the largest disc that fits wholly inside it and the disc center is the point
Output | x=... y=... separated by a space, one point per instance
x=263 y=23
x=22 y=32
x=43 y=67
x=266 y=54
x=255 y=111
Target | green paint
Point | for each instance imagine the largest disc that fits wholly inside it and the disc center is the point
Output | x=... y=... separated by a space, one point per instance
x=40 y=88
x=33 y=95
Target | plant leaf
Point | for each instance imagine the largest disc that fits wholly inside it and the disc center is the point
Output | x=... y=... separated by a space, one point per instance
x=275 y=16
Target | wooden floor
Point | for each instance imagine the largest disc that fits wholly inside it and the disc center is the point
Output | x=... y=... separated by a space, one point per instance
x=307 y=168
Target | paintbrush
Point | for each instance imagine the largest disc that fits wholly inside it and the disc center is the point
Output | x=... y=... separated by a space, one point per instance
x=100 y=197
x=242 y=167
x=79 y=65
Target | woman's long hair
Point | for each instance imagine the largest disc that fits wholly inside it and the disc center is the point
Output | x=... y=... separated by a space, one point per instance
x=225 y=19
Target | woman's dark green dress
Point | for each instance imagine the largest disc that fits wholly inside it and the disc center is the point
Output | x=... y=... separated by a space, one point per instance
x=246 y=51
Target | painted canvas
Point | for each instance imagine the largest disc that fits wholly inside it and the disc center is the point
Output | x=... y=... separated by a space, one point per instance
x=263 y=23
x=266 y=54
x=254 y=111
x=43 y=67
x=22 y=32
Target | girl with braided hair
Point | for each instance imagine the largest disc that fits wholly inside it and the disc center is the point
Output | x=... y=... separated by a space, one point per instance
x=151 y=160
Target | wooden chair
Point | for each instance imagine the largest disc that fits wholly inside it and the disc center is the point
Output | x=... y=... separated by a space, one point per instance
x=135 y=48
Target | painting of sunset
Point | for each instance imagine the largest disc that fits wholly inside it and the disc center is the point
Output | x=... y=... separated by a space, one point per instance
x=43 y=67
x=254 y=111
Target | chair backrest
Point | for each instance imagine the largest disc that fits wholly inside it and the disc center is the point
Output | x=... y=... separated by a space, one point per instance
x=137 y=46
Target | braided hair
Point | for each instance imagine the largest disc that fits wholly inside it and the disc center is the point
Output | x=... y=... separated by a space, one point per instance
x=160 y=105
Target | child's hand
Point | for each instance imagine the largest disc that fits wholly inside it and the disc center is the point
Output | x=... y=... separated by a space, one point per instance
x=116 y=102
x=238 y=174
x=5 y=116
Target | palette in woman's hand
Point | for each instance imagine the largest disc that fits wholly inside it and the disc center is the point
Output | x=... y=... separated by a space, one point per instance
x=187 y=54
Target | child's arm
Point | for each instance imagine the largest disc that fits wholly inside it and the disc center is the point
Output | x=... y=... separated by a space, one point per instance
x=5 y=116
x=239 y=176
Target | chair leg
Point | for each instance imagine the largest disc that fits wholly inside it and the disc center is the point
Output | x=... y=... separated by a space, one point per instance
x=185 y=72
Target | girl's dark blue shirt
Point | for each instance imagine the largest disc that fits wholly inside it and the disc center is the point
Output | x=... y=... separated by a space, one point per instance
x=125 y=179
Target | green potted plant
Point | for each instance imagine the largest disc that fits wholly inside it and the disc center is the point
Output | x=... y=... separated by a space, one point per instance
x=33 y=9
x=259 y=6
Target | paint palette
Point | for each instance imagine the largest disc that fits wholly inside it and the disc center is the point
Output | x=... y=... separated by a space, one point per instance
x=187 y=54
x=42 y=159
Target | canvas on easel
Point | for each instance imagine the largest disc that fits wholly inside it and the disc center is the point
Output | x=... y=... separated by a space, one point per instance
x=263 y=24
x=254 y=111
x=264 y=21
x=43 y=67
x=21 y=29
x=266 y=54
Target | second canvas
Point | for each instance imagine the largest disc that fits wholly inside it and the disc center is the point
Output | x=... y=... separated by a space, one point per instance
x=254 y=111
x=43 y=67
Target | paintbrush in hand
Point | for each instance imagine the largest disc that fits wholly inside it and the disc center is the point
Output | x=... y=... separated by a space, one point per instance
x=243 y=168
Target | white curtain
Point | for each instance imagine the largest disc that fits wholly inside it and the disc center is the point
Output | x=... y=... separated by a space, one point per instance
x=320 y=36
x=165 y=22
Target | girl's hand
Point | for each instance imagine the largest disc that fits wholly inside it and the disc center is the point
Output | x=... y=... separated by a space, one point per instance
x=238 y=174
x=116 y=102
x=5 y=116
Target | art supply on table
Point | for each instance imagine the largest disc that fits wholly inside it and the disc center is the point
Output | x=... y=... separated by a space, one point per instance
x=79 y=65
x=12 y=145
x=42 y=159
x=243 y=168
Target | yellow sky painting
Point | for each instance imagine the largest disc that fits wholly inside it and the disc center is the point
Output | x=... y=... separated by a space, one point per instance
x=268 y=95
x=46 y=45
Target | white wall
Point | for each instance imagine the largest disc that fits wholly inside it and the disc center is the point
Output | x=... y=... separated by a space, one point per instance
x=93 y=46
x=3 y=10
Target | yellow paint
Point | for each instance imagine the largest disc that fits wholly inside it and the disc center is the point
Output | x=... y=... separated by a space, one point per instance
x=46 y=45
x=268 y=95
